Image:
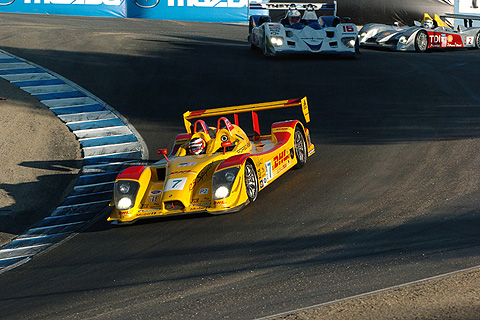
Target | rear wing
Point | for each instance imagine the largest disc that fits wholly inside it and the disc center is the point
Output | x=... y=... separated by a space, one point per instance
x=253 y=108
x=467 y=18
x=470 y=16
x=298 y=6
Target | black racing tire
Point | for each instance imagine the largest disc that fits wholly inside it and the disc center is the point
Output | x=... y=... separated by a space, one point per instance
x=477 y=40
x=301 y=152
x=267 y=52
x=252 y=46
x=421 y=41
x=251 y=181
x=357 y=49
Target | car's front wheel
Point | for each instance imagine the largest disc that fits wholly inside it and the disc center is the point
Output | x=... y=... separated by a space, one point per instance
x=251 y=182
x=300 y=148
x=477 y=40
x=421 y=41
x=267 y=46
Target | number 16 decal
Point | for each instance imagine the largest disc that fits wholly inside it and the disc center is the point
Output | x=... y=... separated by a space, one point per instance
x=348 y=29
x=175 y=184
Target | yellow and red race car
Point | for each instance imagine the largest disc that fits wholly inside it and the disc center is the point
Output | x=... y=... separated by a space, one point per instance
x=213 y=169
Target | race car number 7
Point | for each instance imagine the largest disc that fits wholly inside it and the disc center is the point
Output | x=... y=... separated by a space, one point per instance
x=268 y=169
x=175 y=184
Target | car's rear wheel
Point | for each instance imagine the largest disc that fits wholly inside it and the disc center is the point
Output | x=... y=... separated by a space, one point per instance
x=251 y=182
x=421 y=41
x=300 y=148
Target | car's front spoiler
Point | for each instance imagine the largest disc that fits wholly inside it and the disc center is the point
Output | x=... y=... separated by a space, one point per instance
x=229 y=210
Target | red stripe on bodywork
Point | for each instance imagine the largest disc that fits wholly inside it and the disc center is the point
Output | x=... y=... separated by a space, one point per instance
x=196 y=113
x=132 y=173
x=435 y=40
x=282 y=137
x=293 y=101
x=233 y=161
x=183 y=136
x=176 y=146
x=283 y=124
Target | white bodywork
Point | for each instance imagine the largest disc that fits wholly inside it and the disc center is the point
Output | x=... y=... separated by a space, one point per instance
x=372 y=30
x=273 y=38
x=418 y=38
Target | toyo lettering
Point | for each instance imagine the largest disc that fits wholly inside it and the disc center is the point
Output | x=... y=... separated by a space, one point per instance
x=208 y=3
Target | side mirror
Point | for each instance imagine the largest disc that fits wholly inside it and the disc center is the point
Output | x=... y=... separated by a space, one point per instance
x=226 y=144
x=164 y=153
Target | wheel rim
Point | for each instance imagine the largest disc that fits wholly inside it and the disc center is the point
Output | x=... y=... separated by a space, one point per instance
x=300 y=148
x=251 y=182
x=422 y=41
x=477 y=42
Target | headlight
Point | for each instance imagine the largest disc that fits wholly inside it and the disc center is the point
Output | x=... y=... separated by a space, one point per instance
x=277 y=41
x=402 y=39
x=349 y=42
x=125 y=193
x=223 y=181
x=124 y=188
x=221 y=192
x=124 y=203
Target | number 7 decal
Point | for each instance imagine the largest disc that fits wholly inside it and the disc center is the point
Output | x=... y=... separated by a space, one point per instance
x=175 y=184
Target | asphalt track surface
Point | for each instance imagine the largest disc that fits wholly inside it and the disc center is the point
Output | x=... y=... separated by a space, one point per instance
x=389 y=197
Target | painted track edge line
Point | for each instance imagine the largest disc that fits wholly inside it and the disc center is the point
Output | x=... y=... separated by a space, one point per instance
x=75 y=86
x=368 y=293
x=142 y=149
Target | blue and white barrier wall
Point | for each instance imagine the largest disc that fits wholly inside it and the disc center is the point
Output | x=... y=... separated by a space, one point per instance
x=233 y=11
x=90 y=8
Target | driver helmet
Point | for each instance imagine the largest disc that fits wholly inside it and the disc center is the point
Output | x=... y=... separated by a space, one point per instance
x=197 y=145
x=293 y=16
x=428 y=24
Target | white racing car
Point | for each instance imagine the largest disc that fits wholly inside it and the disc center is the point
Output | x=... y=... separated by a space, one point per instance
x=428 y=34
x=305 y=33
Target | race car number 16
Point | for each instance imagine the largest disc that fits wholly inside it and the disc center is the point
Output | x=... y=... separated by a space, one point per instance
x=175 y=184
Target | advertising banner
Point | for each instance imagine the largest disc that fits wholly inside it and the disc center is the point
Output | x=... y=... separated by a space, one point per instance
x=189 y=10
x=89 y=8
x=231 y=11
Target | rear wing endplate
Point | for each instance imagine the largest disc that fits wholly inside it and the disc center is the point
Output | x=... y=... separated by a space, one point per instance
x=253 y=108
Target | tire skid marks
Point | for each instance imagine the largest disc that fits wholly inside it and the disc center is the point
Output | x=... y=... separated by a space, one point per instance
x=108 y=145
